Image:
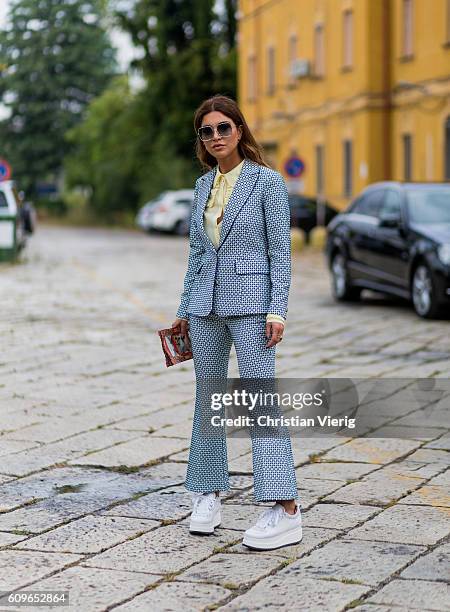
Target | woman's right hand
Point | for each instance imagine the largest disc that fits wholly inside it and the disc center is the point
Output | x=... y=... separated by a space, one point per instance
x=182 y=325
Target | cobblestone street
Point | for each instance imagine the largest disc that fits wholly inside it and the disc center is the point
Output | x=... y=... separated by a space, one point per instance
x=96 y=430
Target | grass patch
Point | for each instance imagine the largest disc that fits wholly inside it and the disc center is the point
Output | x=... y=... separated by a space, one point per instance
x=220 y=549
x=231 y=586
x=355 y=603
x=125 y=469
x=315 y=457
x=71 y=488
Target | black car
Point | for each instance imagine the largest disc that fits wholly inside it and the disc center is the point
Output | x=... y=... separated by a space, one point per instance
x=303 y=211
x=394 y=238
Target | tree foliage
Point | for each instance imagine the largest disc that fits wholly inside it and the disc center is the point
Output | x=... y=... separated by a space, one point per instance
x=123 y=146
x=188 y=54
x=131 y=147
x=55 y=58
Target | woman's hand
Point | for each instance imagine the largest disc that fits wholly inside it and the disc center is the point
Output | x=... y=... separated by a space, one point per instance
x=182 y=325
x=274 y=331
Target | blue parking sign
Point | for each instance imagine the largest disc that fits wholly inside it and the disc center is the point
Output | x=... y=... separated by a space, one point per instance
x=294 y=167
x=5 y=170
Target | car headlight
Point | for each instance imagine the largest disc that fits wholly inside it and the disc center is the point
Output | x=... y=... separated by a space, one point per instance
x=444 y=253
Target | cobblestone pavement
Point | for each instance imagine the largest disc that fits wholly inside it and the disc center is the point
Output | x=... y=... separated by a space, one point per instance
x=95 y=432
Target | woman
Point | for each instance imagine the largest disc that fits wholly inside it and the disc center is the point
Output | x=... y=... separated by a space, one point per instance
x=236 y=291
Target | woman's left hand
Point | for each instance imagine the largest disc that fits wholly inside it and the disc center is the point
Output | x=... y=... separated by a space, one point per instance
x=274 y=332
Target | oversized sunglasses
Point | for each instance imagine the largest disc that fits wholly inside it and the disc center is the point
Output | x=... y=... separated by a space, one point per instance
x=224 y=130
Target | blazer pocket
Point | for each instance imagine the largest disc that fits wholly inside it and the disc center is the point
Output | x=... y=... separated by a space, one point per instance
x=252 y=266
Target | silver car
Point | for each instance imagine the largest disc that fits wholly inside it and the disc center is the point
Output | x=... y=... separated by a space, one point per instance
x=169 y=212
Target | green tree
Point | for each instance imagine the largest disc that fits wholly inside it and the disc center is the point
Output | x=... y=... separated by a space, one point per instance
x=56 y=58
x=188 y=54
x=132 y=146
x=109 y=155
x=102 y=156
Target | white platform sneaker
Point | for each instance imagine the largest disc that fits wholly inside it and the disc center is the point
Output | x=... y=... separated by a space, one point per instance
x=205 y=513
x=274 y=528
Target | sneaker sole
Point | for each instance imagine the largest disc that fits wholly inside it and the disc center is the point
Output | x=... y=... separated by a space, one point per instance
x=202 y=528
x=290 y=538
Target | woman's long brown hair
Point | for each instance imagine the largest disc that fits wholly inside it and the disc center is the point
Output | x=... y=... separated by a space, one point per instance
x=247 y=146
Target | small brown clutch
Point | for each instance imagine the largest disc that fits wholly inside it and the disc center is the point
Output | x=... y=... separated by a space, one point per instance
x=176 y=346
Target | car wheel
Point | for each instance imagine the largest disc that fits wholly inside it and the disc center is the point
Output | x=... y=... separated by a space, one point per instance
x=342 y=289
x=423 y=292
x=181 y=228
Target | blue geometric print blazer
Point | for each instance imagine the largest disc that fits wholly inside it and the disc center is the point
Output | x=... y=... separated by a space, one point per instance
x=250 y=271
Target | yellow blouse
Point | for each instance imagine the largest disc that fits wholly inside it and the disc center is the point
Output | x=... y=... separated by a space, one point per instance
x=220 y=194
x=215 y=207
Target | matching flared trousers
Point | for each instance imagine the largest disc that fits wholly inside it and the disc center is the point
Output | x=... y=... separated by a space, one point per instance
x=273 y=466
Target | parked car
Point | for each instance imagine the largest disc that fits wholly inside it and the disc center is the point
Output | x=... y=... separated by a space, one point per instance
x=144 y=213
x=394 y=238
x=303 y=211
x=13 y=206
x=169 y=212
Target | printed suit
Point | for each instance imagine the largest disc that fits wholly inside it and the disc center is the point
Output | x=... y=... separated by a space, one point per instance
x=227 y=292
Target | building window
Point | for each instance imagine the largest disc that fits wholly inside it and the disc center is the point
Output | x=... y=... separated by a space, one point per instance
x=408 y=22
x=319 y=50
x=292 y=55
x=252 y=82
x=407 y=157
x=348 y=168
x=320 y=170
x=270 y=71
x=347 y=60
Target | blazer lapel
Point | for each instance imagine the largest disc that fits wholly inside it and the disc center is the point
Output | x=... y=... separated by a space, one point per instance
x=240 y=194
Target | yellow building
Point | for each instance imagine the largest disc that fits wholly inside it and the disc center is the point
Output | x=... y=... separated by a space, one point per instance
x=359 y=90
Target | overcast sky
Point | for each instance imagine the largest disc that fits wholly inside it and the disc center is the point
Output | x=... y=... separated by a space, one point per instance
x=121 y=41
x=3 y=11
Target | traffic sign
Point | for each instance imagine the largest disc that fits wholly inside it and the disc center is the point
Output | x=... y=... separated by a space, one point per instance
x=5 y=170
x=294 y=167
